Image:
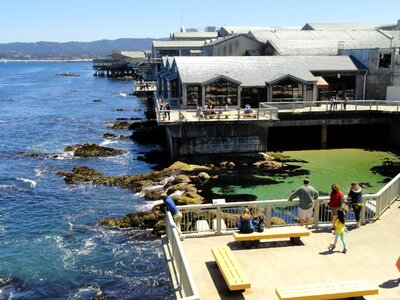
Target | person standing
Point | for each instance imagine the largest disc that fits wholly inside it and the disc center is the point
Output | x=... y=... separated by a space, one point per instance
x=176 y=214
x=335 y=202
x=339 y=231
x=356 y=198
x=307 y=195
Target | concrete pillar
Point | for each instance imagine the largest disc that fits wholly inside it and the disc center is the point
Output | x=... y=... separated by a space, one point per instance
x=184 y=94
x=324 y=136
x=203 y=95
x=304 y=96
x=238 y=96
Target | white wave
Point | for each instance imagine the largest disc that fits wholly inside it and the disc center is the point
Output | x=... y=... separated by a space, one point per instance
x=7 y=186
x=32 y=183
x=107 y=142
x=166 y=180
x=178 y=193
x=84 y=290
x=2 y=229
x=153 y=187
x=121 y=94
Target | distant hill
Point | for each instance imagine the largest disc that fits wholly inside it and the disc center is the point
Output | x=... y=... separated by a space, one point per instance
x=71 y=50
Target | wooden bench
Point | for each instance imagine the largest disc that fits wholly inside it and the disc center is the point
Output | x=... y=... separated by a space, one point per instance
x=230 y=268
x=251 y=115
x=331 y=290
x=292 y=232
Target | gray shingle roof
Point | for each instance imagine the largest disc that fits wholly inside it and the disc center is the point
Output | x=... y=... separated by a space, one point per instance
x=177 y=44
x=324 y=42
x=194 y=35
x=257 y=70
x=342 y=26
x=246 y=29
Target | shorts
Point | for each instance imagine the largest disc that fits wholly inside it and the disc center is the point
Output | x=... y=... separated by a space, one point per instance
x=334 y=210
x=305 y=213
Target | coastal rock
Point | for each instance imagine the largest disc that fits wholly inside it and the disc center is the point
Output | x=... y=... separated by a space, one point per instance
x=141 y=220
x=181 y=179
x=153 y=194
x=97 y=100
x=109 y=136
x=277 y=221
x=67 y=75
x=203 y=177
x=269 y=164
x=121 y=125
x=80 y=174
x=93 y=150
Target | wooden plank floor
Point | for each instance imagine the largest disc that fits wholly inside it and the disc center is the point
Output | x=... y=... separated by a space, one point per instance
x=372 y=253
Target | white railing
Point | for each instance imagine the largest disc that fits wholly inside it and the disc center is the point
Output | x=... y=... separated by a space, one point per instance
x=339 y=105
x=221 y=218
x=184 y=278
x=229 y=114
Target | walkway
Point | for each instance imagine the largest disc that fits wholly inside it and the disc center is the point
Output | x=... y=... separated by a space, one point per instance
x=372 y=253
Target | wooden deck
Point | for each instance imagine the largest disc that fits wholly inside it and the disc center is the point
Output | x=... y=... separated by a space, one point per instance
x=372 y=253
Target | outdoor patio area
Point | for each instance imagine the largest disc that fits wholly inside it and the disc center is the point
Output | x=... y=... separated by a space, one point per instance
x=372 y=253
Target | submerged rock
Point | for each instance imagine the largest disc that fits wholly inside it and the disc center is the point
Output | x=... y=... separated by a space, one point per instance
x=80 y=174
x=93 y=150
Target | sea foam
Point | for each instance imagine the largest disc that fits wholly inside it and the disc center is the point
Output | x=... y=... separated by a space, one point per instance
x=32 y=183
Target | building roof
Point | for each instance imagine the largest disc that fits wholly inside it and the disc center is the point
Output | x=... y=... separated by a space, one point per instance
x=258 y=70
x=246 y=29
x=133 y=54
x=323 y=42
x=193 y=35
x=178 y=44
x=341 y=26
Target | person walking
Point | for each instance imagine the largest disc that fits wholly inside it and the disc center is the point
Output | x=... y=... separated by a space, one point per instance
x=176 y=214
x=340 y=228
x=356 y=198
x=335 y=202
x=307 y=195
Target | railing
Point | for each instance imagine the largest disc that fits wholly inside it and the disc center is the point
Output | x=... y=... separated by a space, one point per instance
x=338 y=105
x=221 y=218
x=184 y=278
x=227 y=114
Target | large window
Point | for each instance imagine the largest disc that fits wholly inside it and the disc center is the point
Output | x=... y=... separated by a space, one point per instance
x=193 y=94
x=385 y=60
x=253 y=96
x=174 y=85
x=287 y=90
x=221 y=92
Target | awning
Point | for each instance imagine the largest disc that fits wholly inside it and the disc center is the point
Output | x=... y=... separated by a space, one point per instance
x=321 y=83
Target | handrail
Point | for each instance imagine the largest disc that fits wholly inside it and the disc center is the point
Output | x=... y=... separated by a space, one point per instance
x=337 y=105
x=185 y=278
x=375 y=205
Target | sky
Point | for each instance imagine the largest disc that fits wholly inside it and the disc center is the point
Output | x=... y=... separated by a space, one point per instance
x=90 y=20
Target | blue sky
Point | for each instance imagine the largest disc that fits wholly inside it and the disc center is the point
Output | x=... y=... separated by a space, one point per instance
x=89 y=20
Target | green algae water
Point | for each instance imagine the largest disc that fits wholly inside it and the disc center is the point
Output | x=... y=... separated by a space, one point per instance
x=325 y=167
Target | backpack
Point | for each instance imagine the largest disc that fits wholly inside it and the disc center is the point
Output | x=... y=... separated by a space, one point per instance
x=259 y=224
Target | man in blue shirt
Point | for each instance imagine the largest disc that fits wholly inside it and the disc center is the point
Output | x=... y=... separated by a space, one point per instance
x=176 y=214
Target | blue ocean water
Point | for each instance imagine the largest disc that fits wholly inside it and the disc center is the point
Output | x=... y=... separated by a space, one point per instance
x=50 y=244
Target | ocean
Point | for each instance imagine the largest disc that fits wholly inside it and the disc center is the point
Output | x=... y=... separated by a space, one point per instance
x=51 y=246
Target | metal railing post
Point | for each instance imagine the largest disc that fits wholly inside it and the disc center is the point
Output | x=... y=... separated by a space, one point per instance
x=218 y=217
x=268 y=215
x=316 y=212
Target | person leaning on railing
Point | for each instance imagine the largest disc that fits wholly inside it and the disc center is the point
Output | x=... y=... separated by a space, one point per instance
x=357 y=202
x=176 y=214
